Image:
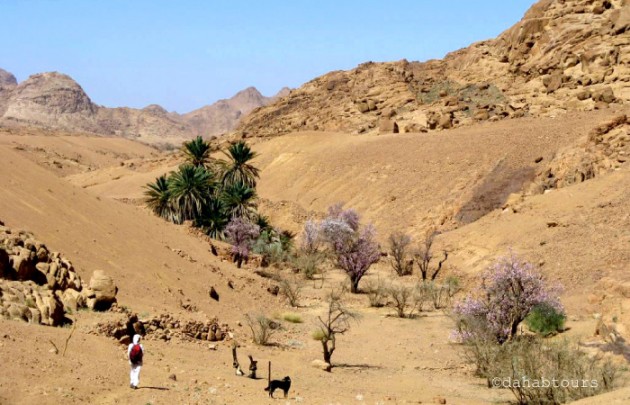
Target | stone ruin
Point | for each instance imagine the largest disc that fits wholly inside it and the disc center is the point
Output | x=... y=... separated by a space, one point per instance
x=163 y=327
x=40 y=286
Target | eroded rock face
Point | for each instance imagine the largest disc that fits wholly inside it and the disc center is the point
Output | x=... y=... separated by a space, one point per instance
x=606 y=149
x=553 y=60
x=40 y=286
x=54 y=93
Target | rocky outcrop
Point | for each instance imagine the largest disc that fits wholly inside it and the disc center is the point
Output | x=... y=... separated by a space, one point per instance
x=40 y=286
x=606 y=149
x=556 y=58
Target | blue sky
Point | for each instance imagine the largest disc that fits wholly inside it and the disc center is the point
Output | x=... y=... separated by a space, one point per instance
x=185 y=54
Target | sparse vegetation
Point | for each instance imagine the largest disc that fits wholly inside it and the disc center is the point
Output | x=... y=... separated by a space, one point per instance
x=510 y=289
x=424 y=256
x=291 y=289
x=440 y=294
x=545 y=320
x=335 y=322
x=292 y=317
x=399 y=251
x=528 y=367
x=403 y=300
x=377 y=293
x=261 y=327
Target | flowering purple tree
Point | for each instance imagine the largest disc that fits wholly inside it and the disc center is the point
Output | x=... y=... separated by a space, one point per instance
x=355 y=250
x=509 y=290
x=310 y=238
x=241 y=234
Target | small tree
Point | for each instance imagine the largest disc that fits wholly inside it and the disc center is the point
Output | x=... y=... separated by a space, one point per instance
x=310 y=238
x=510 y=289
x=355 y=250
x=424 y=255
x=241 y=234
x=399 y=250
x=335 y=322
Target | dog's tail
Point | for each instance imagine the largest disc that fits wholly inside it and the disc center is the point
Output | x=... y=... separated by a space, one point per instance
x=267 y=388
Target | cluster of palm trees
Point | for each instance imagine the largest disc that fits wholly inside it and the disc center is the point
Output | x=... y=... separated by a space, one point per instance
x=208 y=191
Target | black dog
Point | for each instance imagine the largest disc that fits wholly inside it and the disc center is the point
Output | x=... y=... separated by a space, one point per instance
x=283 y=384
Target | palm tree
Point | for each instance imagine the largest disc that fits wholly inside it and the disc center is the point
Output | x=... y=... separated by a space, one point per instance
x=158 y=199
x=213 y=219
x=197 y=152
x=191 y=187
x=238 y=169
x=239 y=201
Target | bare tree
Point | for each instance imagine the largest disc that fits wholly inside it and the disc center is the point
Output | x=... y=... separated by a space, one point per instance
x=399 y=250
x=424 y=255
x=335 y=322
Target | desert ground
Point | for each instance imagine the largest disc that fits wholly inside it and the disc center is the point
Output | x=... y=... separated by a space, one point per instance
x=82 y=196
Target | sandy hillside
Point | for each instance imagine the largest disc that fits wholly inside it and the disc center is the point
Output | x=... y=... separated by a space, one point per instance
x=137 y=250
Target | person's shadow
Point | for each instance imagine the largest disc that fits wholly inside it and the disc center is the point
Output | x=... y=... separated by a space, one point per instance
x=154 y=388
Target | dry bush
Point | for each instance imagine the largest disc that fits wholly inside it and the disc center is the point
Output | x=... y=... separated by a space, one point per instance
x=403 y=299
x=439 y=295
x=291 y=289
x=399 y=251
x=377 y=293
x=309 y=263
x=528 y=366
x=262 y=328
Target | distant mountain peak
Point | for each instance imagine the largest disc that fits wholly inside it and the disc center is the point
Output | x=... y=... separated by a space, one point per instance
x=7 y=79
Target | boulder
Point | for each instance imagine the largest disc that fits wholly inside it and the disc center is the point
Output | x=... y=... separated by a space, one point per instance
x=72 y=300
x=320 y=364
x=19 y=312
x=604 y=95
x=6 y=271
x=363 y=107
x=387 y=126
x=55 y=310
x=583 y=95
x=481 y=115
x=102 y=291
x=23 y=266
x=446 y=121
x=620 y=19
x=552 y=82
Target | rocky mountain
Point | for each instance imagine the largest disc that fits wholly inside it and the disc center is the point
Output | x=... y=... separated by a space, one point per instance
x=224 y=115
x=7 y=83
x=563 y=55
x=55 y=101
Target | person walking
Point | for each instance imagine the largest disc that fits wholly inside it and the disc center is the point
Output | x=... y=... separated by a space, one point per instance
x=134 y=353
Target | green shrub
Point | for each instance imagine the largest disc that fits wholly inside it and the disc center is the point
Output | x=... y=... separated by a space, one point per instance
x=292 y=317
x=545 y=320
